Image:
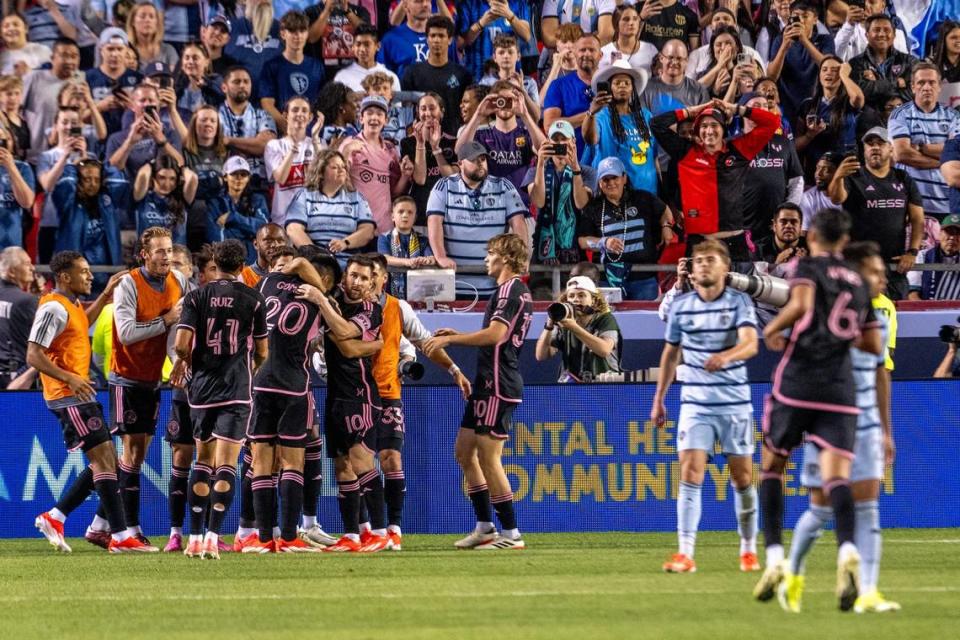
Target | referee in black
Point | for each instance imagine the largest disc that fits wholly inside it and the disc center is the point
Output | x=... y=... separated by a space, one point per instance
x=17 y=308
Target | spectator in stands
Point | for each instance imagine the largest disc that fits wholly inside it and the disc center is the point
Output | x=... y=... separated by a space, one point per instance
x=569 y=96
x=366 y=45
x=328 y=212
x=881 y=70
x=77 y=96
x=255 y=38
x=334 y=26
x=511 y=145
x=627 y=44
x=704 y=58
x=880 y=198
x=851 y=39
x=624 y=227
x=291 y=74
x=466 y=210
x=374 y=163
x=949 y=367
x=430 y=150
x=481 y=22
x=215 y=35
x=950 y=170
x=588 y=341
x=919 y=130
x=195 y=84
x=19 y=55
x=145 y=135
x=617 y=125
x=41 y=89
x=145 y=32
x=439 y=73
x=946 y=57
x=470 y=102
x=17 y=188
x=403 y=246
x=162 y=195
x=246 y=129
x=111 y=82
x=405 y=43
x=939 y=285
x=238 y=211
x=400 y=117
x=160 y=75
x=726 y=70
x=815 y=198
x=667 y=20
x=506 y=55
x=786 y=241
x=286 y=159
x=797 y=54
x=559 y=188
x=11 y=96
x=592 y=16
x=204 y=153
x=672 y=89
x=779 y=13
x=17 y=308
x=49 y=21
x=338 y=105
x=563 y=60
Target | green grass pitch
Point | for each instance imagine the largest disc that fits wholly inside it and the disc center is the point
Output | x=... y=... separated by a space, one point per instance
x=581 y=586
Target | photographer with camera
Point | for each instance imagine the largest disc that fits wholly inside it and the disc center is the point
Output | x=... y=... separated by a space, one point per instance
x=950 y=365
x=582 y=329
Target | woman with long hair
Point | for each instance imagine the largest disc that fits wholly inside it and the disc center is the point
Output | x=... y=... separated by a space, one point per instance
x=145 y=32
x=725 y=47
x=626 y=44
x=238 y=211
x=338 y=106
x=78 y=98
x=194 y=82
x=204 y=153
x=161 y=194
x=946 y=54
x=429 y=149
x=287 y=158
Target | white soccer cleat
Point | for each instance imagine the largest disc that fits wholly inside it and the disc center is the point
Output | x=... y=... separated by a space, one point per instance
x=315 y=536
x=52 y=530
x=766 y=587
x=502 y=543
x=475 y=538
x=848 y=580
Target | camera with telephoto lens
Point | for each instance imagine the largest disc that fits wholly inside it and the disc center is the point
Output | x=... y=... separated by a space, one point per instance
x=411 y=369
x=950 y=334
x=560 y=311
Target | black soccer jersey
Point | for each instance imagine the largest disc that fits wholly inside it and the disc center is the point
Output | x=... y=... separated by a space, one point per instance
x=225 y=317
x=815 y=371
x=351 y=379
x=498 y=367
x=292 y=324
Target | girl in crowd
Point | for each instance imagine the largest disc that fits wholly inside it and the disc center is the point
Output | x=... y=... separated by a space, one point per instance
x=204 y=153
x=287 y=158
x=337 y=105
x=161 y=194
x=11 y=99
x=946 y=55
x=194 y=83
x=725 y=50
x=145 y=31
x=237 y=212
x=430 y=150
x=627 y=44
x=77 y=96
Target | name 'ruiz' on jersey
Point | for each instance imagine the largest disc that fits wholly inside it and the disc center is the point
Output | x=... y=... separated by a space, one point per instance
x=702 y=329
x=292 y=324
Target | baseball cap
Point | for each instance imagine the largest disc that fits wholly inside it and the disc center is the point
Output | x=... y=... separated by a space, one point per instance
x=581 y=282
x=876 y=132
x=711 y=112
x=234 y=164
x=157 y=69
x=562 y=127
x=113 y=35
x=471 y=151
x=221 y=21
x=611 y=166
x=377 y=102
x=952 y=220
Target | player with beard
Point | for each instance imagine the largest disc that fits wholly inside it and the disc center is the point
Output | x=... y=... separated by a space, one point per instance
x=270 y=237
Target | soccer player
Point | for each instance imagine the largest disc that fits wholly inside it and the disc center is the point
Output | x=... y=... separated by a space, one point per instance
x=814 y=396
x=59 y=348
x=269 y=238
x=146 y=303
x=497 y=390
x=221 y=324
x=714 y=329
x=873 y=448
x=351 y=338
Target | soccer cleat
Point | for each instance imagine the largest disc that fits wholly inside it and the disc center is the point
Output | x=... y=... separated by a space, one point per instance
x=143 y=539
x=848 y=580
x=97 y=538
x=680 y=563
x=174 y=544
x=194 y=549
x=790 y=592
x=223 y=546
x=749 y=562
x=394 y=541
x=239 y=543
x=210 y=550
x=343 y=545
x=874 y=602
x=131 y=545
x=52 y=530
x=315 y=536
x=374 y=544
x=475 y=538
x=766 y=587
x=502 y=543
x=255 y=546
x=296 y=546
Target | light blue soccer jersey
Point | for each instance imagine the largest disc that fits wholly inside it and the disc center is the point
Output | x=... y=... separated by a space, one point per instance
x=702 y=329
x=865 y=377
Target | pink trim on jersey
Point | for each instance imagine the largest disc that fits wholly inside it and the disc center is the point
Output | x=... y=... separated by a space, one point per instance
x=817 y=406
x=284 y=391
x=823 y=444
x=224 y=438
x=225 y=403
x=505 y=287
x=77 y=421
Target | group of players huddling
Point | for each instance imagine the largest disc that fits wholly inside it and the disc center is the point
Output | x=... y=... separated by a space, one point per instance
x=243 y=344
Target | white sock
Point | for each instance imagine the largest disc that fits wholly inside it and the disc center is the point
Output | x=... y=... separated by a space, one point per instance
x=243 y=532
x=134 y=531
x=195 y=537
x=309 y=521
x=212 y=536
x=364 y=527
x=353 y=536
x=276 y=532
x=745 y=501
x=513 y=534
x=379 y=532
x=688 y=516
x=176 y=531
x=774 y=554
x=57 y=515
x=485 y=527
x=846 y=550
x=100 y=524
x=394 y=529
x=120 y=537
x=805 y=534
x=866 y=535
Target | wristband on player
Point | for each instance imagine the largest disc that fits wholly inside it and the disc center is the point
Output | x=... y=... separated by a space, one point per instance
x=596 y=245
x=453 y=370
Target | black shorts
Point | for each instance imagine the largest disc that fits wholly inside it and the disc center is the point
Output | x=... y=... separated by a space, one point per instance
x=134 y=409
x=346 y=424
x=489 y=415
x=180 y=425
x=281 y=419
x=228 y=422
x=83 y=426
x=785 y=428
x=390 y=427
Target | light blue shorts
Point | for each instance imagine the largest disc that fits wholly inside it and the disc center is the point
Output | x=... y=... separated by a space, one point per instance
x=868 y=459
x=734 y=432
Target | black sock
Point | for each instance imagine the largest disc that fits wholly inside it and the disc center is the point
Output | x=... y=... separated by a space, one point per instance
x=102 y=510
x=248 y=518
x=348 y=498
x=291 y=501
x=841 y=499
x=771 y=505
x=312 y=479
x=504 y=506
x=480 y=497
x=263 y=498
x=220 y=500
x=198 y=504
x=129 y=478
x=275 y=514
x=371 y=485
x=177 y=494
x=76 y=493
x=394 y=488
x=109 y=491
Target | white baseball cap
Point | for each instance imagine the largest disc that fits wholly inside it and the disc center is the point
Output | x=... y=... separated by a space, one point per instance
x=581 y=282
x=234 y=164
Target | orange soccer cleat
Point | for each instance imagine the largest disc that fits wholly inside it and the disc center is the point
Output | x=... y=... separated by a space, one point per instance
x=295 y=546
x=749 y=562
x=680 y=563
x=344 y=545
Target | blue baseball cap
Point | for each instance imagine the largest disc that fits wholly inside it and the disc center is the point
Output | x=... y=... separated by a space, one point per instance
x=611 y=166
